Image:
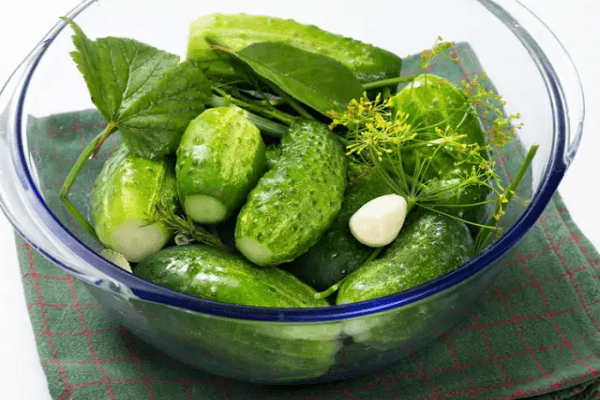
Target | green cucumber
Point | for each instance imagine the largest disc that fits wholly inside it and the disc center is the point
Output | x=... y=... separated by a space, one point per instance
x=214 y=274
x=338 y=253
x=432 y=101
x=284 y=351
x=220 y=158
x=266 y=352
x=236 y=31
x=429 y=245
x=272 y=153
x=294 y=202
x=124 y=199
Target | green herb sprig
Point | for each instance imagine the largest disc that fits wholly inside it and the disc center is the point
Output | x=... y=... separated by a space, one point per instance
x=184 y=229
x=381 y=137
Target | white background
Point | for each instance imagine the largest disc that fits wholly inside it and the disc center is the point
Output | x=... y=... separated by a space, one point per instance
x=24 y=22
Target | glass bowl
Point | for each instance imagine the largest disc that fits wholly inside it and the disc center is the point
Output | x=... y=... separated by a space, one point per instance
x=46 y=117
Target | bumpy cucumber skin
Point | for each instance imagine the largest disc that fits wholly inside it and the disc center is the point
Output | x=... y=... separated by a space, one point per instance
x=338 y=253
x=272 y=153
x=236 y=31
x=428 y=101
x=129 y=187
x=295 y=202
x=222 y=155
x=429 y=246
x=213 y=274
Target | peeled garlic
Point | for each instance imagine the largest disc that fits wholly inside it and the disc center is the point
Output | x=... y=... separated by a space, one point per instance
x=378 y=222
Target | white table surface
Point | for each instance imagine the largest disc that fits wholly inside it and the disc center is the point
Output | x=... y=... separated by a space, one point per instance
x=24 y=22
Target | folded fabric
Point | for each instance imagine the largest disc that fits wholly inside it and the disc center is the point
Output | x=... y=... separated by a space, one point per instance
x=535 y=332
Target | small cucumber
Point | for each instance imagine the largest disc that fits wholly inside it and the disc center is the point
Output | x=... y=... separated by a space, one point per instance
x=338 y=253
x=124 y=199
x=434 y=101
x=294 y=202
x=237 y=31
x=214 y=274
x=220 y=158
x=429 y=246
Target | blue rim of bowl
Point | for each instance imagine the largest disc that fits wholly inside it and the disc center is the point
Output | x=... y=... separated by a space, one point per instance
x=146 y=290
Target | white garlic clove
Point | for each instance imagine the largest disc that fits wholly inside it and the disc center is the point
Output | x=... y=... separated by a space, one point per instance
x=378 y=222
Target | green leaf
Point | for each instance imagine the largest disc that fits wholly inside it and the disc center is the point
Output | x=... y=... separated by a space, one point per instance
x=152 y=125
x=146 y=93
x=313 y=79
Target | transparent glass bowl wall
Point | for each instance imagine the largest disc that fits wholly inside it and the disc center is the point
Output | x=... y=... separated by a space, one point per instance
x=522 y=58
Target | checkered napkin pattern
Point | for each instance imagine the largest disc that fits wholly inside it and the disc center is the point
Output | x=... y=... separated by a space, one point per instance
x=534 y=332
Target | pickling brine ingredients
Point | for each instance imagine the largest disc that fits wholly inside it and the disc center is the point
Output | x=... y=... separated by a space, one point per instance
x=220 y=158
x=124 y=200
x=268 y=186
x=435 y=158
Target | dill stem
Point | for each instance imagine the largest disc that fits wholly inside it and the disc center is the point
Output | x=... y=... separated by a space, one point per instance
x=440 y=141
x=484 y=234
x=219 y=101
x=292 y=102
x=267 y=126
x=389 y=82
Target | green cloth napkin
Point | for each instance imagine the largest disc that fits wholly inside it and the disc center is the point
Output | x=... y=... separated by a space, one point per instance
x=535 y=331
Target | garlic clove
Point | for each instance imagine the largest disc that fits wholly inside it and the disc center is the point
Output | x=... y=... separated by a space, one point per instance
x=378 y=222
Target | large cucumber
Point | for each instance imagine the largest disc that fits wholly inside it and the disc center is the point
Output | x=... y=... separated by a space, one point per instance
x=214 y=274
x=272 y=153
x=220 y=158
x=433 y=101
x=295 y=201
x=338 y=253
x=124 y=199
x=237 y=31
x=429 y=246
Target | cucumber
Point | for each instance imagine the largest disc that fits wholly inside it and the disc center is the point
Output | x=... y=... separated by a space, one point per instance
x=272 y=153
x=429 y=246
x=257 y=351
x=236 y=31
x=276 y=351
x=220 y=158
x=338 y=253
x=432 y=101
x=124 y=199
x=214 y=274
x=295 y=201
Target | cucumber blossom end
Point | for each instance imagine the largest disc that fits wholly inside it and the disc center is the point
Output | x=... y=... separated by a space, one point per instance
x=204 y=209
x=124 y=203
x=219 y=160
